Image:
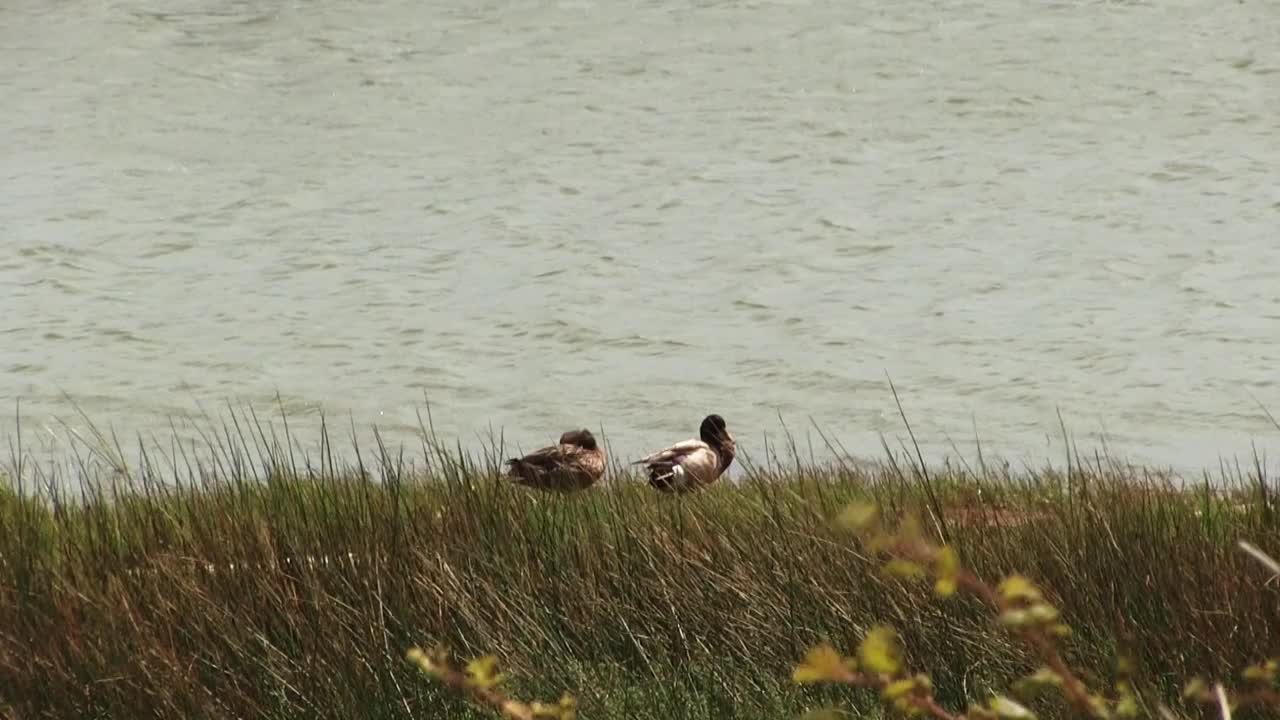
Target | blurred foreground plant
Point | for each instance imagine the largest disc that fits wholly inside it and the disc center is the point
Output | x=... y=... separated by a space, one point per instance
x=480 y=681
x=1021 y=608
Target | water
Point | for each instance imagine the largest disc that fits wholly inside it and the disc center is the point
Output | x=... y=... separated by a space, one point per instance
x=541 y=215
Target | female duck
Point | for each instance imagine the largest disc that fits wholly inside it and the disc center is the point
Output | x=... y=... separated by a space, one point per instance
x=692 y=464
x=576 y=463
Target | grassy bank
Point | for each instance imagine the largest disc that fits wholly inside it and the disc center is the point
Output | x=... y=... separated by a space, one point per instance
x=258 y=582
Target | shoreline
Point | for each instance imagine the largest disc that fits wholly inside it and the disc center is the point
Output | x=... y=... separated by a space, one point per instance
x=312 y=439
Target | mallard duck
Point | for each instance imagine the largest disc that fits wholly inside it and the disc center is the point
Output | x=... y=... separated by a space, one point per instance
x=576 y=463
x=692 y=464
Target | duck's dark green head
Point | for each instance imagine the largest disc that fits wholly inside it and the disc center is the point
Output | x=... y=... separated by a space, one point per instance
x=713 y=430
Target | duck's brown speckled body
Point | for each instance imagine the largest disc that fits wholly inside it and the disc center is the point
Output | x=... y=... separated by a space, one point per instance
x=575 y=463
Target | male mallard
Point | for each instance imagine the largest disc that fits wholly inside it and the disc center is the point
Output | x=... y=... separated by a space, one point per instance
x=692 y=464
x=576 y=463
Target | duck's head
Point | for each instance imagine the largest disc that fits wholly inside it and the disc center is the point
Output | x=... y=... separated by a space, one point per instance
x=580 y=438
x=714 y=432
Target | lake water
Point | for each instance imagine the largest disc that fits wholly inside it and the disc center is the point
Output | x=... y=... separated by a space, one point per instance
x=541 y=215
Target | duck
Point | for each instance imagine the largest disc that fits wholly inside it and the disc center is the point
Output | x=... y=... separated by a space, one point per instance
x=692 y=464
x=576 y=462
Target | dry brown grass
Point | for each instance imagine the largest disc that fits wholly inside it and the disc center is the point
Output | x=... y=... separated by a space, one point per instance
x=124 y=603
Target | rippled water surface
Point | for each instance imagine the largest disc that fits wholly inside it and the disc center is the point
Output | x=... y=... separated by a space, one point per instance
x=628 y=214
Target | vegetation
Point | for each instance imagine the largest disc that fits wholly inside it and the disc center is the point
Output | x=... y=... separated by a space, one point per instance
x=1021 y=607
x=250 y=580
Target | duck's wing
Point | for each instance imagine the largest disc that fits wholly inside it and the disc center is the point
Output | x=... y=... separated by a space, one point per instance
x=550 y=466
x=539 y=461
x=540 y=456
x=683 y=467
x=676 y=454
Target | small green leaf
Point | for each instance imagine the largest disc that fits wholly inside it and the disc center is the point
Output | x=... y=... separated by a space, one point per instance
x=1003 y=707
x=945 y=588
x=430 y=662
x=1266 y=672
x=568 y=707
x=1043 y=678
x=859 y=517
x=515 y=708
x=821 y=664
x=880 y=652
x=977 y=712
x=904 y=569
x=484 y=671
x=905 y=706
x=543 y=710
x=565 y=709
x=1015 y=618
x=898 y=688
x=1124 y=665
x=1017 y=587
x=947 y=566
x=1042 y=613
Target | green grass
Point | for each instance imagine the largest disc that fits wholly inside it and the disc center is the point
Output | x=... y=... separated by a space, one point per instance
x=118 y=595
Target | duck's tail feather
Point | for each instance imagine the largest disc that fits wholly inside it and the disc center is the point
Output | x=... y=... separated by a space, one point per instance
x=670 y=478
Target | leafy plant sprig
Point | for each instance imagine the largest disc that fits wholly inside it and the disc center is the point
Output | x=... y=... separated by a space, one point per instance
x=480 y=680
x=1018 y=605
